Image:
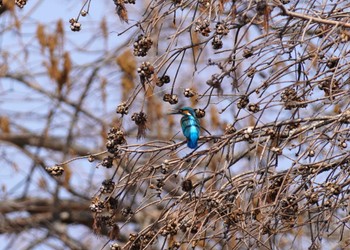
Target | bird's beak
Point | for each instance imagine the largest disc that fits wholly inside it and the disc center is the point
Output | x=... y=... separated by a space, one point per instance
x=174 y=112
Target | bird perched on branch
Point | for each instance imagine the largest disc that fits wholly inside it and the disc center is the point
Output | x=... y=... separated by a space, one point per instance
x=190 y=125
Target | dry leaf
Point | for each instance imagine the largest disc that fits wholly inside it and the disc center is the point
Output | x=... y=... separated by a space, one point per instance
x=41 y=36
x=104 y=28
x=4 y=124
x=214 y=117
x=127 y=63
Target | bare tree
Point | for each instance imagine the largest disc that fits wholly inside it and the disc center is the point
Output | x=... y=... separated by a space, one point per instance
x=269 y=82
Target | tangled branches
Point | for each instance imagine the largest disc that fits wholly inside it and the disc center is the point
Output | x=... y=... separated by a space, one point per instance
x=198 y=199
x=275 y=74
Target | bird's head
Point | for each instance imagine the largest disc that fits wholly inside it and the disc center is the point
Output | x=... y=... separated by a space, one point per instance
x=184 y=111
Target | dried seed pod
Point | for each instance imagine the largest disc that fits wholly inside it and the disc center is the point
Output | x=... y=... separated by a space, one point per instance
x=74 y=25
x=140 y=120
x=189 y=92
x=243 y=102
x=200 y=113
x=115 y=246
x=277 y=150
x=145 y=71
x=291 y=100
x=221 y=29
x=343 y=144
x=202 y=26
x=165 y=79
x=96 y=205
x=204 y=3
x=344 y=36
x=174 y=99
x=142 y=45
x=217 y=42
x=311 y=153
x=20 y=3
x=167 y=97
x=253 y=107
x=122 y=109
x=162 y=80
x=230 y=129
x=332 y=62
x=107 y=162
x=55 y=170
x=107 y=186
x=289 y=208
x=312 y=197
x=187 y=185
x=127 y=211
x=247 y=53
x=91 y=158
x=248 y=134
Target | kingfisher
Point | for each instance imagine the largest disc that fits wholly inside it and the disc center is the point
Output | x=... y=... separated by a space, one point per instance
x=190 y=125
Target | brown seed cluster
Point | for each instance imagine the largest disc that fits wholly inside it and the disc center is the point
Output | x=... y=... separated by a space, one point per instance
x=332 y=62
x=122 y=109
x=141 y=241
x=160 y=81
x=217 y=42
x=221 y=29
x=20 y=3
x=243 y=102
x=289 y=208
x=107 y=162
x=291 y=100
x=189 y=93
x=115 y=137
x=107 y=186
x=55 y=170
x=203 y=27
x=230 y=129
x=205 y=3
x=140 y=120
x=115 y=246
x=253 y=107
x=83 y=12
x=142 y=45
x=171 y=98
x=187 y=185
x=329 y=87
x=344 y=36
x=200 y=113
x=333 y=188
x=74 y=25
x=248 y=52
x=145 y=71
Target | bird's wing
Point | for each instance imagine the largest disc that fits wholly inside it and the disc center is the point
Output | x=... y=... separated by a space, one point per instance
x=190 y=126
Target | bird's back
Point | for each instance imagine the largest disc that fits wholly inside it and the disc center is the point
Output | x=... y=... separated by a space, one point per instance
x=190 y=128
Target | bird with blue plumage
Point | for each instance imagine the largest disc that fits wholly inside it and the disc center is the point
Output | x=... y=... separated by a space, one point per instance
x=190 y=125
